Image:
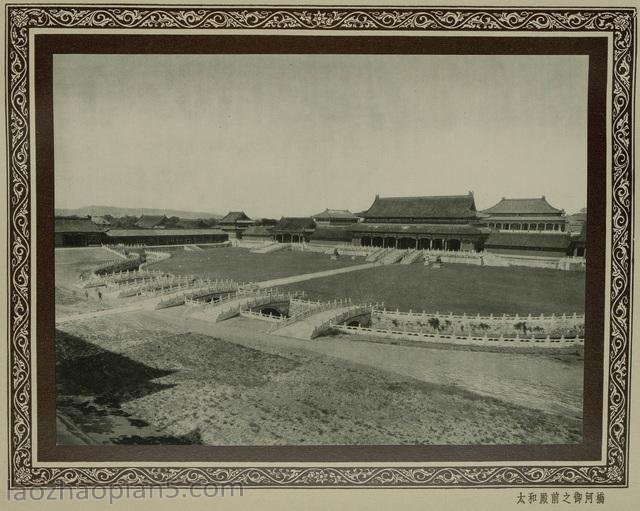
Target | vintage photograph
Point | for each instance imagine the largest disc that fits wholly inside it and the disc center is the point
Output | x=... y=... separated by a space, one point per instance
x=278 y=249
x=307 y=247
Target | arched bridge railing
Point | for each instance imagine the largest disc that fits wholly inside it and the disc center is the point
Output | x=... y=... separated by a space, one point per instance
x=341 y=317
x=235 y=307
x=314 y=308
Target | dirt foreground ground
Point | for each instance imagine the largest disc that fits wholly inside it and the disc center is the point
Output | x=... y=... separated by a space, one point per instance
x=235 y=387
x=162 y=377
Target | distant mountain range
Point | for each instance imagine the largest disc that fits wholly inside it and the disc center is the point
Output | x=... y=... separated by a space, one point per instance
x=120 y=212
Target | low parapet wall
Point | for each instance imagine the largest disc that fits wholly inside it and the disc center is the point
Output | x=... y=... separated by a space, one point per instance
x=329 y=248
x=553 y=263
x=459 y=257
x=353 y=312
x=576 y=343
x=433 y=323
x=154 y=256
x=276 y=299
x=128 y=264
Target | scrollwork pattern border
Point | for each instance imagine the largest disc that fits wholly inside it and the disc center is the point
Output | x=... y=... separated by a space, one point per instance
x=20 y=19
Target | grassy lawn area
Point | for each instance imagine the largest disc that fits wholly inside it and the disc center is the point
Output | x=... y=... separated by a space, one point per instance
x=123 y=380
x=242 y=265
x=456 y=288
x=69 y=263
x=81 y=256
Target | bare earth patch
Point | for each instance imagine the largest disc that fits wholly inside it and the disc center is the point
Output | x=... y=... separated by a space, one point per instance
x=188 y=385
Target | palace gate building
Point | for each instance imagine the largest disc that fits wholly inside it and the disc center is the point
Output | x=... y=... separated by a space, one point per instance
x=525 y=215
x=293 y=229
x=449 y=222
x=531 y=227
x=335 y=217
x=152 y=222
x=73 y=231
x=152 y=237
x=235 y=223
x=258 y=233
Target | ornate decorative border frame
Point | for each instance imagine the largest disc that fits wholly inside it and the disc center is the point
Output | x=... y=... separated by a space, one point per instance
x=620 y=23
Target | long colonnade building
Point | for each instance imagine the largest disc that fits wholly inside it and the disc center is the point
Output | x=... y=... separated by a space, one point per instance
x=530 y=227
x=525 y=215
x=448 y=222
x=523 y=227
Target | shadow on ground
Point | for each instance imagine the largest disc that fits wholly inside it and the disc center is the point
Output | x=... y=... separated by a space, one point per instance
x=92 y=383
x=83 y=368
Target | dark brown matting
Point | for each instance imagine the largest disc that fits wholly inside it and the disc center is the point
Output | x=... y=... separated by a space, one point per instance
x=594 y=47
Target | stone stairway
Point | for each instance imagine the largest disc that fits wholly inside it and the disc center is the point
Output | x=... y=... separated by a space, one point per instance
x=235 y=304
x=392 y=256
x=490 y=259
x=376 y=255
x=221 y=311
x=273 y=247
x=411 y=257
x=307 y=327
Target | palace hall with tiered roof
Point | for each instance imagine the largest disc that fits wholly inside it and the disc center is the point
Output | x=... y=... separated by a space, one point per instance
x=525 y=227
x=443 y=222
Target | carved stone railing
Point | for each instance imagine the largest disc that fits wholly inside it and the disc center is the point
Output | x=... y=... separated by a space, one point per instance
x=315 y=308
x=114 y=278
x=352 y=312
x=224 y=311
x=261 y=315
x=490 y=317
x=490 y=325
x=513 y=342
x=132 y=263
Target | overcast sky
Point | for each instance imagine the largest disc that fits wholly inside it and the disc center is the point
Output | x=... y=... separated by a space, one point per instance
x=292 y=135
